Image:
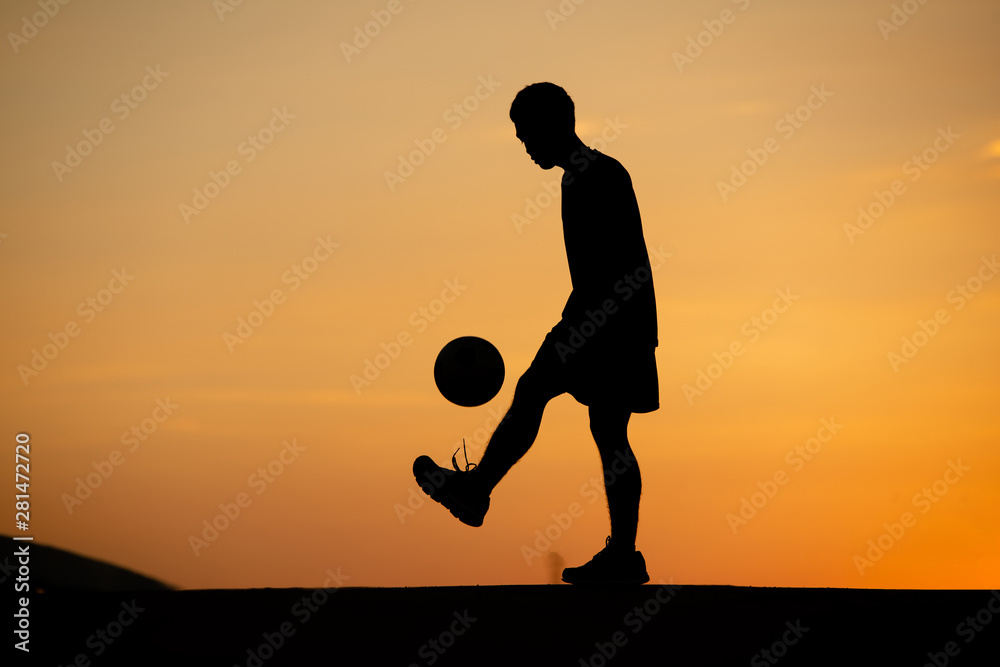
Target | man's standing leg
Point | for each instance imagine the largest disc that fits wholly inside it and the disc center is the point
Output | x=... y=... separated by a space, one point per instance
x=622 y=481
x=618 y=562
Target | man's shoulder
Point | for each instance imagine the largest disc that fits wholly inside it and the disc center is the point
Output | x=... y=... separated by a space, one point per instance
x=595 y=165
x=607 y=163
x=610 y=162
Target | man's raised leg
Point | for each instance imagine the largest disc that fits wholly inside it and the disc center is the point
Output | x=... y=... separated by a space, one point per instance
x=466 y=494
x=516 y=432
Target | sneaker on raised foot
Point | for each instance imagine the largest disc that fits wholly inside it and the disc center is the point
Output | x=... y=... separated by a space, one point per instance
x=611 y=566
x=454 y=489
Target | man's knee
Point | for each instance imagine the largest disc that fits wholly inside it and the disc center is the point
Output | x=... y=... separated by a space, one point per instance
x=533 y=388
x=609 y=426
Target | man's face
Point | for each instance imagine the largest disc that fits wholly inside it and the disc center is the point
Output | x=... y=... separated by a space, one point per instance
x=538 y=143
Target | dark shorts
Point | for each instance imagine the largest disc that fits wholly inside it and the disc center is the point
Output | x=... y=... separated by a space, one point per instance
x=612 y=372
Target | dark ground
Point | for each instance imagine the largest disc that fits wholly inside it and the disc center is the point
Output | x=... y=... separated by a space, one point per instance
x=517 y=625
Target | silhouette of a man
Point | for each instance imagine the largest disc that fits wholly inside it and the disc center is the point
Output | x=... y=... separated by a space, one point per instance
x=602 y=350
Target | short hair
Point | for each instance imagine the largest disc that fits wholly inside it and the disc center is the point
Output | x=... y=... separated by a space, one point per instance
x=544 y=104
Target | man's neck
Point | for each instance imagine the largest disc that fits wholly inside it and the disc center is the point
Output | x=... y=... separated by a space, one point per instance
x=576 y=155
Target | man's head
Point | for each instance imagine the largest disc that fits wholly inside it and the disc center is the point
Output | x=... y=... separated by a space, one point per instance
x=545 y=121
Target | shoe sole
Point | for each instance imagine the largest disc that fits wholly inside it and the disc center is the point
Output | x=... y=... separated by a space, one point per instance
x=606 y=582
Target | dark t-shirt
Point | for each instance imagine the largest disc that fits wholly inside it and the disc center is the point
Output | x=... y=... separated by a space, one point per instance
x=608 y=262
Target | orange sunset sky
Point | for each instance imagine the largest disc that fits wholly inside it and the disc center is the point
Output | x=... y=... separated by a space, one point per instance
x=216 y=214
